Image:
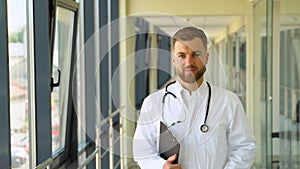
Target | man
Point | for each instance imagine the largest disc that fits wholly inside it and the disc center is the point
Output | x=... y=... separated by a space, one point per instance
x=209 y=123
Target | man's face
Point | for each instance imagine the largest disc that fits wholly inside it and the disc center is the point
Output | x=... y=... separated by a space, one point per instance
x=189 y=59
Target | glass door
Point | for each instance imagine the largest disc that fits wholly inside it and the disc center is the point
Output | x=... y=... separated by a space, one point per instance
x=289 y=91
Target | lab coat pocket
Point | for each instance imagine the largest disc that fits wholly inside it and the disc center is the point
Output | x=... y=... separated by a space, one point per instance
x=214 y=135
x=213 y=146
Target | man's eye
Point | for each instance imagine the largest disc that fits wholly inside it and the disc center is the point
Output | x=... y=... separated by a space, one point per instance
x=181 y=56
x=197 y=55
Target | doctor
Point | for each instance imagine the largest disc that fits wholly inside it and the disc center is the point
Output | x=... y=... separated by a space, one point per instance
x=209 y=122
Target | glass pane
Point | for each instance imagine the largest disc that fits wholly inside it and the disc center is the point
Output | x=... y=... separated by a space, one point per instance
x=260 y=50
x=18 y=83
x=79 y=92
x=238 y=69
x=61 y=63
x=289 y=147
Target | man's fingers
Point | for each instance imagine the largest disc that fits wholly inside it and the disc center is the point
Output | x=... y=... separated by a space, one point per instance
x=169 y=165
x=172 y=158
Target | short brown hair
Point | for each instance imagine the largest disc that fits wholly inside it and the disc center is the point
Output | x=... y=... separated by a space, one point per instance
x=189 y=33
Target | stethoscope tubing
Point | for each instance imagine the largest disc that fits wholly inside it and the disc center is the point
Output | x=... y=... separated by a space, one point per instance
x=208 y=102
x=204 y=128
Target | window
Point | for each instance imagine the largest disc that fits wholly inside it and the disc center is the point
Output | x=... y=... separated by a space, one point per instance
x=61 y=73
x=18 y=61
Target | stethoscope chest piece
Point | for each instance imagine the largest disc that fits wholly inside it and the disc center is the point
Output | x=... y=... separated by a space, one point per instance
x=204 y=128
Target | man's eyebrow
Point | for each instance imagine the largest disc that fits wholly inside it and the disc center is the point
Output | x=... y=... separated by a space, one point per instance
x=197 y=51
x=179 y=53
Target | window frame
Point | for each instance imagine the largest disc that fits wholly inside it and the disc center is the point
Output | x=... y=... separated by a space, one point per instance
x=68 y=154
x=5 y=156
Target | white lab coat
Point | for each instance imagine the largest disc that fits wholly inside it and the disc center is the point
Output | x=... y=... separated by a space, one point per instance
x=229 y=142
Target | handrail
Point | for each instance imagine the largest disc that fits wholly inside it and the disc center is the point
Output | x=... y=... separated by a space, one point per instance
x=45 y=164
x=82 y=147
x=106 y=151
x=109 y=117
x=88 y=159
x=290 y=88
x=117 y=165
x=97 y=150
x=133 y=165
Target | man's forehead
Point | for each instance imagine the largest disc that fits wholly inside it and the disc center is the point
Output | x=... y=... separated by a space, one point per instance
x=194 y=44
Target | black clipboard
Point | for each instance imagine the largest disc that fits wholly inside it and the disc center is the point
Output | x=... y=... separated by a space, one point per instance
x=168 y=144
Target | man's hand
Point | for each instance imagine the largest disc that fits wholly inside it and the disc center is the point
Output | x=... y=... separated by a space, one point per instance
x=169 y=165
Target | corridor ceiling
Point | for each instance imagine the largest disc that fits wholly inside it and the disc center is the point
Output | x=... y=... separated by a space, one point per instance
x=213 y=16
x=212 y=25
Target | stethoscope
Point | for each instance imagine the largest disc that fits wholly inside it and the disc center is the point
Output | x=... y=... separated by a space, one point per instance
x=204 y=127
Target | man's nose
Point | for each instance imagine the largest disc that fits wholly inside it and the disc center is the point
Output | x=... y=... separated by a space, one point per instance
x=189 y=60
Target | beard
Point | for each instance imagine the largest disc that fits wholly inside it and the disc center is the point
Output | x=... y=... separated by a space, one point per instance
x=191 y=77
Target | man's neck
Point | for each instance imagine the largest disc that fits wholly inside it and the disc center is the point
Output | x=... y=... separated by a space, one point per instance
x=191 y=86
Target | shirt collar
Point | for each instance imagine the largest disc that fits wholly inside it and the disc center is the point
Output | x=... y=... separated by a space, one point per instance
x=180 y=90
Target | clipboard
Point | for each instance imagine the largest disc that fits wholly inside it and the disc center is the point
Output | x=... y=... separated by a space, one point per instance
x=168 y=144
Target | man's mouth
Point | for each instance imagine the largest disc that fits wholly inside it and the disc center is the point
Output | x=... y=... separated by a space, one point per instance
x=190 y=69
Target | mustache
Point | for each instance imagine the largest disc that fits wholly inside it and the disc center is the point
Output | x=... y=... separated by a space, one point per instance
x=190 y=67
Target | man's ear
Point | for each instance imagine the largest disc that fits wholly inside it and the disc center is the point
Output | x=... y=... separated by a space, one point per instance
x=173 y=59
x=206 y=58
